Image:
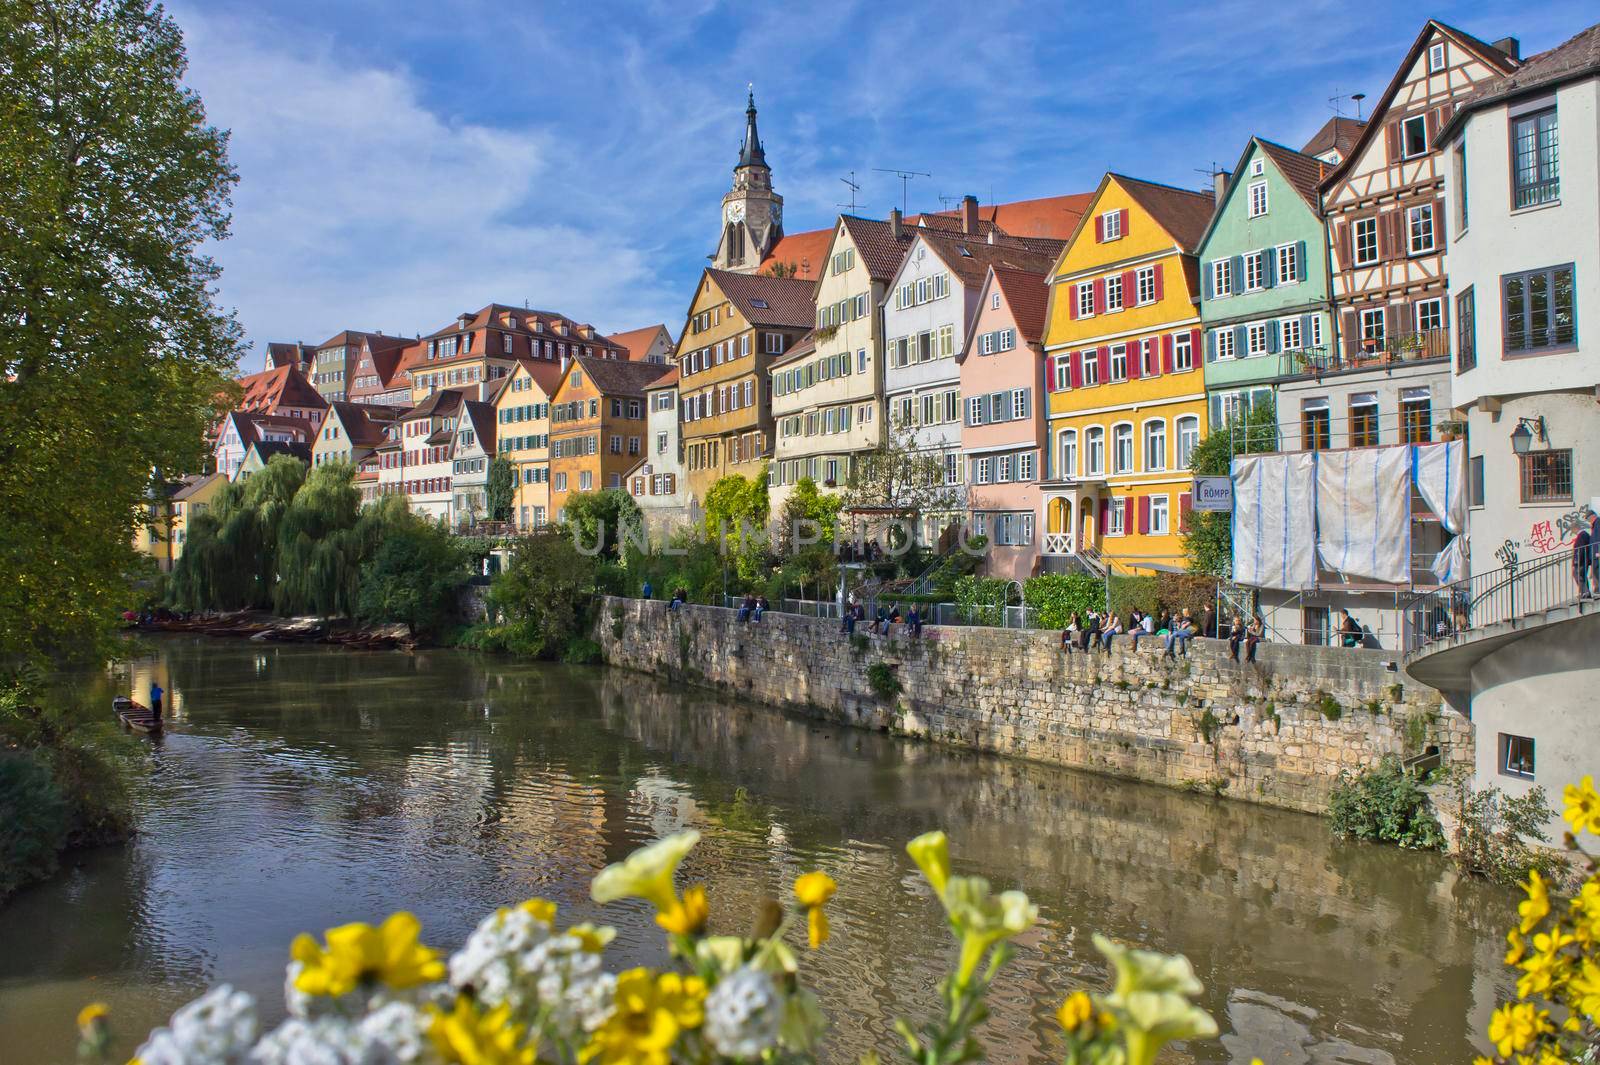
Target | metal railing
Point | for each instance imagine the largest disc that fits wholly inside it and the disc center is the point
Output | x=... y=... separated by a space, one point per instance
x=1505 y=594
x=1358 y=353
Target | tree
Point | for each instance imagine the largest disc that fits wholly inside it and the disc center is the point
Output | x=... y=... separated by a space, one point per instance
x=600 y=521
x=114 y=359
x=323 y=540
x=901 y=481
x=542 y=597
x=777 y=269
x=414 y=575
x=736 y=520
x=502 y=489
x=805 y=507
x=1208 y=541
x=230 y=560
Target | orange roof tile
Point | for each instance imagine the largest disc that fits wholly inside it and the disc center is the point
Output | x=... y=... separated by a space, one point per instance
x=805 y=251
x=637 y=342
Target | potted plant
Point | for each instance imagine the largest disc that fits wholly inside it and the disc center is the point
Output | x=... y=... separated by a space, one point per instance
x=1452 y=429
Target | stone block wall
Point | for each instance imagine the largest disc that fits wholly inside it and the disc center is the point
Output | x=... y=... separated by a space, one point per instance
x=1277 y=732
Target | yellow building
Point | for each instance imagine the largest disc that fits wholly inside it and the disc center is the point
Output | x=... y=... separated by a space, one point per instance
x=195 y=496
x=1127 y=399
x=522 y=416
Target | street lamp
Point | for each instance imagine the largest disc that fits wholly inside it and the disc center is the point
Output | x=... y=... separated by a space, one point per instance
x=1527 y=428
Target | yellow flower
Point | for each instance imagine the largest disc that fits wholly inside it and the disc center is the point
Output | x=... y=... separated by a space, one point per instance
x=469 y=1037
x=931 y=852
x=1076 y=1011
x=650 y=1013
x=1515 y=947
x=688 y=917
x=359 y=954
x=1515 y=1025
x=593 y=938
x=540 y=909
x=646 y=873
x=93 y=1012
x=1585 y=909
x=1545 y=965
x=1583 y=990
x=1583 y=805
x=814 y=890
x=1536 y=907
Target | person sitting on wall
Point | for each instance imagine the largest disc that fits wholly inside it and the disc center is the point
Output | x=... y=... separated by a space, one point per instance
x=914 y=622
x=761 y=608
x=1112 y=628
x=678 y=599
x=1090 y=637
x=1350 y=633
x=1069 y=635
x=1236 y=633
x=1136 y=629
x=1254 y=634
x=1178 y=639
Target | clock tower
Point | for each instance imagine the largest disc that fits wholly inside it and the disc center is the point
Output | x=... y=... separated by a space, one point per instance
x=752 y=214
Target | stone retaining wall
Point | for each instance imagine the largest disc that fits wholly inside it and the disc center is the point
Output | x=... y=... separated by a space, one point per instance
x=1277 y=732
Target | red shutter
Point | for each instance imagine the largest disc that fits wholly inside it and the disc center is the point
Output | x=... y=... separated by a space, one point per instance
x=1341 y=244
x=1105 y=516
x=1099 y=295
x=1350 y=339
x=1159 y=270
x=1144 y=515
x=1076 y=360
x=1391 y=136
x=1103 y=355
x=1166 y=353
x=1072 y=301
x=1099 y=229
x=1124 y=213
x=1135 y=359
x=1185 y=505
x=1433 y=123
x=1049 y=375
x=1195 y=358
x=1127 y=514
x=1130 y=288
x=1438 y=225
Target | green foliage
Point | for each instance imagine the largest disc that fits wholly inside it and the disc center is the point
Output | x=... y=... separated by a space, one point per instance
x=323 y=540
x=1271 y=714
x=114 y=359
x=1328 y=706
x=601 y=522
x=414 y=576
x=810 y=512
x=231 y=558
x=33 y=820
x=1493 y=830
x=1055 y=597
x=1209 y=725
x=1384 y=804
x=1130 y=592
x=981 y=599
x=500 y=491
x=736 y=517
x=541 y=600
x=1415 y=730
x=882 y=680
x=688 y=561
x=1208 y=542
x=581 y=651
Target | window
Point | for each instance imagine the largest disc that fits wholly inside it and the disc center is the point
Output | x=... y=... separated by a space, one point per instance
x=1466 y=332
x=561 y=482
x=1435 y=57
x=1255 y=271
x=1535 y=159
x=861 y=361
x=952 y=468
x=1289 y=335
x=994 y=301
x=1090 y=373
x=1516 y=756
x=1122 y=448
x=1416 y=415
x=1419 y=229
x=1085 y=299
x=1159 y=524
x=1316 y=429
x=1475 y=481
x=1067 y=448
x=1364 y=419
x=1155 y=445
x=1546 y=476
x=1114 y=292
x=1116 y=525
x=1255 y=338
x=1430 y=314
x=1145 y=283
x=1094 y=459
x=1019 y=403
x=1111 y=223
x=1288 y=264
x=1002 y=469
x=1460 y=164
x=1258 y=198
x=1223 y=342
x=1188 y=439
x=1118 y=363
x=1372 y=328
x=1539 y=311
x=1414 y=136
x=1182 y=352
x=661 y=443
x=1025 y=466
x=980 y=471
x=1222 y=277
x=1364 y=234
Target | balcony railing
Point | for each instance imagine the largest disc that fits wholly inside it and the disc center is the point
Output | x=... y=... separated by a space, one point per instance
x=1356 y=353
x=1504 y=594
x=1058 y=543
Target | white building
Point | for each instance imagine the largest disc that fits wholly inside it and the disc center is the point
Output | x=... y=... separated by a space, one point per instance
x=657 y=483
x=474 y=446
x=422 y=462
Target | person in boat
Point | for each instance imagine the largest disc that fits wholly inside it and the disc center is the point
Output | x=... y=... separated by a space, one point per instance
x=155 y=698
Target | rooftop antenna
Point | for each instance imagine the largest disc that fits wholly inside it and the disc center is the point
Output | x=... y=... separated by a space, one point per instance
x=1358 y=97
x=905 y=177
x=947 y=202
x=854 y=188
x=1337 y=103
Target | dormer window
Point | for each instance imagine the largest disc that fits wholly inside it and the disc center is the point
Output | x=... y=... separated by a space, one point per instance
x=1111 y=225
x=1436 y=57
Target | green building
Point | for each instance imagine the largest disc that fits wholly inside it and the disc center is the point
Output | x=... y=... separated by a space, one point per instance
x=1265 y=305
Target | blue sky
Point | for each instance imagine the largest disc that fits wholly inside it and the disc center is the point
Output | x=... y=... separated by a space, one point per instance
x=402 y=161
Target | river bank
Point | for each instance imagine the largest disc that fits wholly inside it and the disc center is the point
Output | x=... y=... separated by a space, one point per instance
x=261 y=625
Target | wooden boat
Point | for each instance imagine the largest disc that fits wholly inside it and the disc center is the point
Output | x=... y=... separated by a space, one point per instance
x=135 y=716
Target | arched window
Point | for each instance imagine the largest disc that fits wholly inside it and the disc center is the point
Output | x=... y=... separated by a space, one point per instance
x=1122 y=448
x=1094 y=452
x=1188 y=439
x=1068 y=452
x=1155 y=444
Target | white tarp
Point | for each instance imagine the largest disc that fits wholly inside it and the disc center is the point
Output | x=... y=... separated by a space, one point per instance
x=1451 y=565
x=1364 y=512
x=1441 y=475
x=1274 y=521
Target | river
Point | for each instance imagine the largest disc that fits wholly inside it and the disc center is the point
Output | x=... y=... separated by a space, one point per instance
x=302 y=787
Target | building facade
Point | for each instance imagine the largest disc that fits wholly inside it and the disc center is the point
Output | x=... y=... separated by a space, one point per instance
x=597 y=426
x=657 y=483
x=349 y=432
x=473 y=447
x=1265 y=304
x=196 y=495
x=478 y=349
x=1127 y=397
x=240 y=429
x=340 y=360
x=422 y=462
x=650 y=344
x=737 y=325
x=522 y=423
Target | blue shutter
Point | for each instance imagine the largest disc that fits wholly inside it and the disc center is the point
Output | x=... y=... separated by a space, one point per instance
x=1300 y=260
x=1211 y=345
x=1273 y=338
x=1240 y=339
x=1236 y=268
x=1305 y=330
x=1269 y=262
x=1205 y=272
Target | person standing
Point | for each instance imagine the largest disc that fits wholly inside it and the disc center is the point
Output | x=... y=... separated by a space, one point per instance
x=1594 y=552
x=1350 y=632
x=647 y=590
x=155 y=698
x=1582 y=548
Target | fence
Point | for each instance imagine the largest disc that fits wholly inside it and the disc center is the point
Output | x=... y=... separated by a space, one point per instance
x=1504 y=594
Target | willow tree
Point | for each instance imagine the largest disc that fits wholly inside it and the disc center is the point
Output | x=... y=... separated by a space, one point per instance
x=114 y=358
x=322 y=543
x=230 y=558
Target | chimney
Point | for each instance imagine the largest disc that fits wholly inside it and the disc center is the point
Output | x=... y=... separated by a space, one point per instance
x=1219 y=182
x=1510 y=46
x=894 y=223
x=969 y=214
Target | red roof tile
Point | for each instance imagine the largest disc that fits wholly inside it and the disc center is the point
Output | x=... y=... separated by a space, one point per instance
x=282 y=386
x=1183 y=213
x=1301 y=170
x=1028 y=295
x=806 y=252
x=637 y=342
x=1337 y=134
x=1054 y=217
x=787 y=301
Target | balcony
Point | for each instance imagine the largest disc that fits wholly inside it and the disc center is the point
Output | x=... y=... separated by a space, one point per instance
x=1356 y=353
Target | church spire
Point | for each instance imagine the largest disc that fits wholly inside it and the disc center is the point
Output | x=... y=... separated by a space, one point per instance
x=750 y=154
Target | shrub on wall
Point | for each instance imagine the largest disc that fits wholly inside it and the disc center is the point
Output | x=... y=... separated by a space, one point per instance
x=980 y=599
x=1384 y=804
x=1055 y=597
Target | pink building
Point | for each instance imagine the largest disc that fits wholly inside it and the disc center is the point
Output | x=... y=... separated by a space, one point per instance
x=1002 y=434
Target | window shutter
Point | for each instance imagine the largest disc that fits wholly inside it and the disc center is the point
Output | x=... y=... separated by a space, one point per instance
x=1185 y=505
x=1206 y=270
x=1300 y=261
x=1105 y=516
x=1306 y=321
x=1341 y=243
x=1269 y=263
x=1236 y=272
x=1135 y=357
x=1076 y=360
x=1240 y=339
x=1124 y=213
x=1099 y=295
x=1158 y=272
x=1130 y=288
x=1166 y=353
x=1144 y=515
x=1072 y=302
x=1273 y=337
x=1433 y=123
x=1050 y=375
x=1127 y=514
x=1104 y=357
x=1438 y=224
x=1391 y=136
x=1099 y=229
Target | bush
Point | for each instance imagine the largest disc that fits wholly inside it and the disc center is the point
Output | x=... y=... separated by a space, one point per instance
x=414 y=576
x=885 y=685
x=1493 y=829
x=581 y=651
x=33 y=820
x=1055 y=597
x=981 y=598
x=543 y=598
x=1384 y=804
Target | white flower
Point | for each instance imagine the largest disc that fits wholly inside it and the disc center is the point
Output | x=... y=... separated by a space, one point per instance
x=402 y=1030
x=743 y=1013
x=394 y=1034
x=561 y=974
x=489 y=963
x=592 y=1000
x=215 y=1029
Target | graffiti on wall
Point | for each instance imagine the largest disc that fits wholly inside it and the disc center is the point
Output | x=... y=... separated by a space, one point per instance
x=1547 y=536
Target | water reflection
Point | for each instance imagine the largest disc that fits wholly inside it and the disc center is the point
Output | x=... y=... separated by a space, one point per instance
x=298 y=788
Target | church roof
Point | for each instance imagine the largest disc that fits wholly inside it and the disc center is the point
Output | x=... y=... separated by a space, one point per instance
x=750 y=153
